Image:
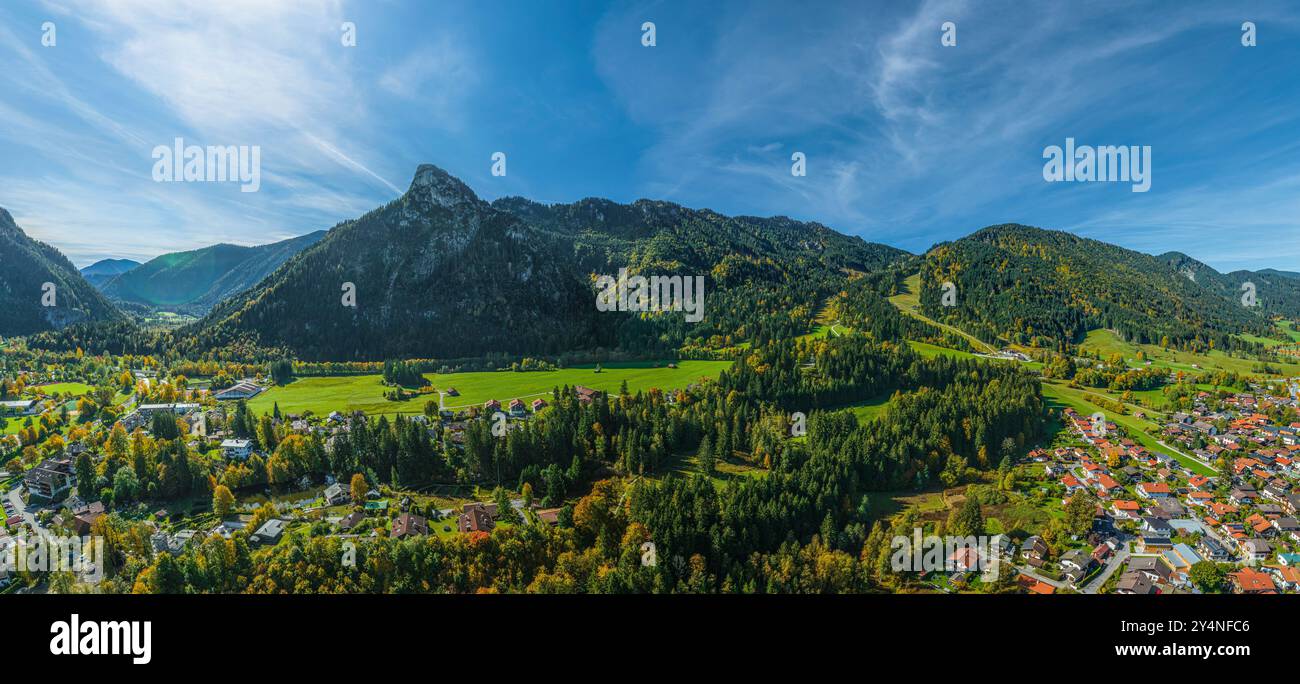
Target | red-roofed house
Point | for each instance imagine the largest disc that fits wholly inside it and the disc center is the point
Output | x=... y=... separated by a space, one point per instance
x=1251 y=581
x=1153 y=490
x=1126 y=510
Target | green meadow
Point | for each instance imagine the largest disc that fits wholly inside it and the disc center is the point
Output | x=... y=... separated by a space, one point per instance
x=1107 y=343
x=76 y=389
x=869 y=409
x=321 y=395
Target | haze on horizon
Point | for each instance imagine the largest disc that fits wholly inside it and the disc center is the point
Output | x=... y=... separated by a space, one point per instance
x=908 y=142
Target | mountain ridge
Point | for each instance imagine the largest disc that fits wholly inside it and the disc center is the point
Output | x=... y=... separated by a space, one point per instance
x=26 y=266
x=443 y=228
x=1036 y=286
x=196 y=280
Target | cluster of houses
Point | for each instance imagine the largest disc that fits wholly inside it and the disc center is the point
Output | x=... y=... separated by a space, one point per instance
x=1235 y=426
x=517 y=408
x=473 y=517
x=1177 y=517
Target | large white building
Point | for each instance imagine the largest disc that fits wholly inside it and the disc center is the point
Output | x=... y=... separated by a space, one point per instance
x=240 y=390
x=238 y=449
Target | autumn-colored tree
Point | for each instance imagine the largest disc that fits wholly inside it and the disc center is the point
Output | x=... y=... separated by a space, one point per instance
x=359 y=487
x=223 y=501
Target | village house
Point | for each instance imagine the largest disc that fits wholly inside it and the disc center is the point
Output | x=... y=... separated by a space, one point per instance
x=1075 y=565
x=84 y=517
x=50 y=479
x=1153 y=490
x=269 y=533
x=1251 y=581
x=1034 y=586
x=1126 y=510
x=237 y=449
x=1212 y=549
x=337 y=495
x=1255 y=550
x=1136 y=583
x=1150 y=567
x=477 y=517
x=407 y=525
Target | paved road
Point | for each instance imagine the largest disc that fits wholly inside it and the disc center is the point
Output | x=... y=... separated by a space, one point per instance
x=16 y=499
x=1116 y=560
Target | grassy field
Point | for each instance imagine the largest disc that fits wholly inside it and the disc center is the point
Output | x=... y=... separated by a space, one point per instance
x=887 y=504
x=74 y=388
x=869 y=409
x=1141 y=431
x=1291 y=333
x=723 y=471
x=366 y=392
x=1107 y=343
x=930 y=351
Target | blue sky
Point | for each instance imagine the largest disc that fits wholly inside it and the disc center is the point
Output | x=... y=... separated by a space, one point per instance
x=908 y=142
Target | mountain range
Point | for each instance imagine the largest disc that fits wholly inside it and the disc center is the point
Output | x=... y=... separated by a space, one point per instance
x=440 y=273
x=195 y=281
x=1276 y=292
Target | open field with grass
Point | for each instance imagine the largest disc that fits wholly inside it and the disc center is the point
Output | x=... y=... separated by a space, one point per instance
x=885 y=505
x=1142 y=431
x=868 y=409
x=723 y=471
x=930 y=351
x=1107 y=343
x=73 y=388
x=321 y=395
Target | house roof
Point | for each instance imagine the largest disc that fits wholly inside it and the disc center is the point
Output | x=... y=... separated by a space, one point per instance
x=1251 y=580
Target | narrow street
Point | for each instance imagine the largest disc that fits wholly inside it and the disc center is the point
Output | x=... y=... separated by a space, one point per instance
x=1116 y=561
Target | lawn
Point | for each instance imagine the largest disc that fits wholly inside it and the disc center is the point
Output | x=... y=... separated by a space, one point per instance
x=886 y=504
x=321 y=395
